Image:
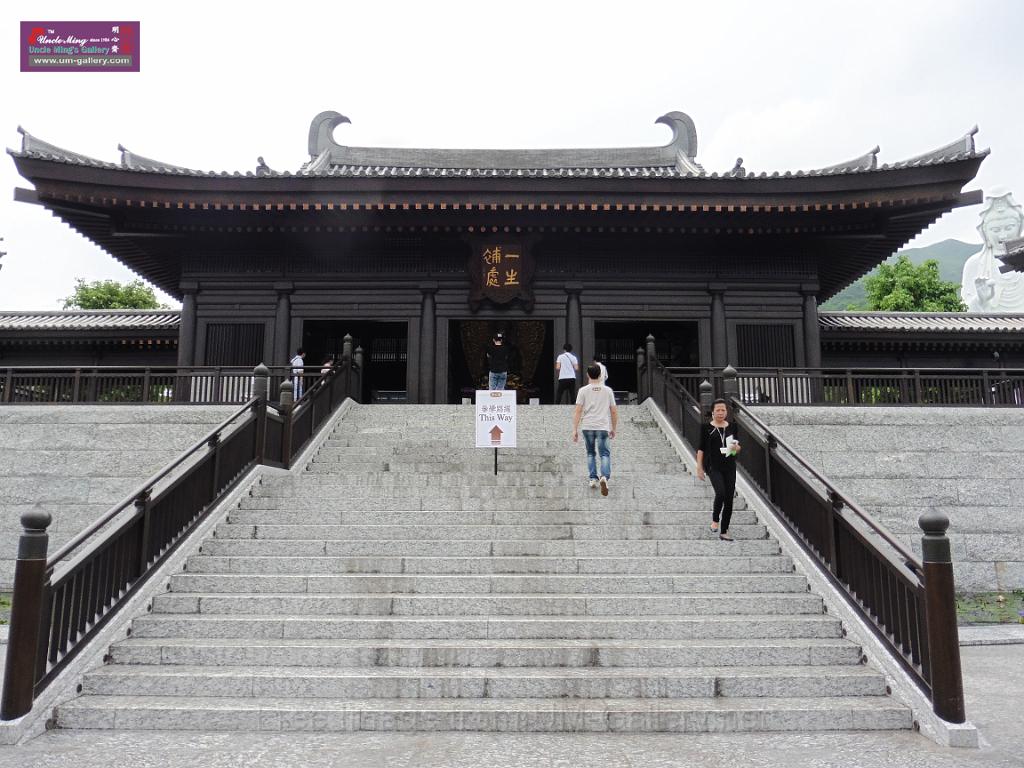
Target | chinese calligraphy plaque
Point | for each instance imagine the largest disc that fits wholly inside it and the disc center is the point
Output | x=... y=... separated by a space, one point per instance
x=500 y=272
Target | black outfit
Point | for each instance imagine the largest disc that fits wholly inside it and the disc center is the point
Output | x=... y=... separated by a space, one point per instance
x=497 y=358
x=721 y=471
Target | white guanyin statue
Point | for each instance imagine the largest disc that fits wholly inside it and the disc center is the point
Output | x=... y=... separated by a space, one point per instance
x=983 y=287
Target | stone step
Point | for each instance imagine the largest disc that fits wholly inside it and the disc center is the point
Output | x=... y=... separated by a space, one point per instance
x=260 y=563
x=679 y=482
x=522 y=604
x=491 y=627
x=256 y=582
x=520 y=715
x=439 y=532
x=475 y=683
x=591 y=501
x=574 y=489
x=293 y=515
x=483 y=548
x=622 y=466
x=738 y=652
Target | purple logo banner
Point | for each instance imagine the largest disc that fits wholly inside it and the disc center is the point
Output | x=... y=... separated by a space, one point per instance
x=80 y=46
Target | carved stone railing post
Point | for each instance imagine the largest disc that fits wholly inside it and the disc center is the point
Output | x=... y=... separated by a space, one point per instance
x=652 y=359
x=261 y=390
x=287 y=404
x=358 y=363
x=707 y=397
x=940 y=619
x=641 y=362
x=26 y=615
x=730 y=383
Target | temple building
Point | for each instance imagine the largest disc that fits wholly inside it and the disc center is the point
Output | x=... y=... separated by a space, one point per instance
x=421 y=254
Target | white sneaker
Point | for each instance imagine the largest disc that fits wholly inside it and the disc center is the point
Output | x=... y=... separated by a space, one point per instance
x=604 y=486
x=593 y=483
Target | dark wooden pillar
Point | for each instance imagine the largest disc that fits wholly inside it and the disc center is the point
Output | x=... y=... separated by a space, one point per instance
x=282 y=323
x=812 y=332
x=574 y=318
x=428 y=342
x=719 y=338
x=187 y=328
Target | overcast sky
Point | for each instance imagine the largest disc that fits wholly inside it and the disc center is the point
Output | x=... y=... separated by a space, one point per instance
x=785 y=85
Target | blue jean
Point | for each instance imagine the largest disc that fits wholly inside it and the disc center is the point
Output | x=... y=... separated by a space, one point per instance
x=497 y=380
x=600 y=438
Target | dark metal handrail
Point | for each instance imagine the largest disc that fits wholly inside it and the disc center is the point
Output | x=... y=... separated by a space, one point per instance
x=147 y=486
x=909 y=603
x=830 y=488
x=55 y=614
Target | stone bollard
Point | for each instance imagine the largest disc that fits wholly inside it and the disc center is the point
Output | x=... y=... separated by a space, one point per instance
x=652 y=357
x=940 y=619
x=358 y=361
x=26 y=614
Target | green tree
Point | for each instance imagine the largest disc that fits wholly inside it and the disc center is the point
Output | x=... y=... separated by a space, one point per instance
x=110 y=294
x=905 y=287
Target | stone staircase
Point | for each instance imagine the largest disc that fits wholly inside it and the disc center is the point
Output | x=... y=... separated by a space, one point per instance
x=398 y=584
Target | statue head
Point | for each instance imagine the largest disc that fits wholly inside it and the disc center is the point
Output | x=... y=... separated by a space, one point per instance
x=1001 y=220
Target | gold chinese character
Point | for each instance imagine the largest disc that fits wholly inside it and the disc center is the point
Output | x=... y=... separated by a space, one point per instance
x=511 y=277
x=511 y=255
x=492 y=278
x=493 y=255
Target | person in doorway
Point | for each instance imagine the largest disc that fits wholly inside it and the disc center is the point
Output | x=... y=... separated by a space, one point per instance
x=598 y=416
x=497 y=362
x=297 y=363
x=566 y=366
x=604 y=371
x=716 y=459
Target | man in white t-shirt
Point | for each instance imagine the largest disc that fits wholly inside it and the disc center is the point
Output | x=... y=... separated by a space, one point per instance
x=566 y=366
x=604 y=371
x=297 y=365
x=597 y=415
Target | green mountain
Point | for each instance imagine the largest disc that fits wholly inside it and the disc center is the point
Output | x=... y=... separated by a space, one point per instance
x=951 y=255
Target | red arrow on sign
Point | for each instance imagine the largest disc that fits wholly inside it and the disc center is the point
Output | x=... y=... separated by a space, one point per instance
x=495 y=434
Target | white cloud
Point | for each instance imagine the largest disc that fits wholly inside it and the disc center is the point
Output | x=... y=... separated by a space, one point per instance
x=785 y=85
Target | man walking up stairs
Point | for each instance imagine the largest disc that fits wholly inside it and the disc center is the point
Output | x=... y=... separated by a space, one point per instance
x=398 y=584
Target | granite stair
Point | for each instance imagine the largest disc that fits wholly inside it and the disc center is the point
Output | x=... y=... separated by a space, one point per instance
x=398 y=584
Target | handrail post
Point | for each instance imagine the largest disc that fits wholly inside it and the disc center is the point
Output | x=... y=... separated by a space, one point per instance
x=850 y=395
x=77 y=386
x=641 y=359
x=707 y=397
x=143 y=508
x=730 y=383
x=287 y=403
x=214 y=445
x=357 y=362
x=26 y=615
x=986 y=392
x=260 y=388
x=836 y=504
x=146 y=382
x=940 y=617
x=652 y=357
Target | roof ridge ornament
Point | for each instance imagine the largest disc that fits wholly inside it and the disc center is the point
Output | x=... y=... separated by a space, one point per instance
x=134 y=162
x=30 y=145
x=958 y=149
x=321 y=132
x=684 y=132
x=866 y=162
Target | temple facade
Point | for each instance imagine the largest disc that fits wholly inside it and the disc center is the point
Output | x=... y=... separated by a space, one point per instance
x=421 y=254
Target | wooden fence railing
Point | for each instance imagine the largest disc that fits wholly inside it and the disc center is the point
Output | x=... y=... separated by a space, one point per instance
x=867 y=386
x=62 y=601
x=909 y=603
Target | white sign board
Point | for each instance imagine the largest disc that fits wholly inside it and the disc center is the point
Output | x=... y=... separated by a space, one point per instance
x=495 y=418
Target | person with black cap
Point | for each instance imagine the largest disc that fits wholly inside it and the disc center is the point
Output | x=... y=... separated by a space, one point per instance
x=497 y=362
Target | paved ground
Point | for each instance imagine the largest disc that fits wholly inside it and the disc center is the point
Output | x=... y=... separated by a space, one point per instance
x=994 y=676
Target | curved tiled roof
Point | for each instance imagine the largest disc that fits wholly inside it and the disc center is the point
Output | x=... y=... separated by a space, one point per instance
x=90 y=320
x=922 y=322
x=676 y=160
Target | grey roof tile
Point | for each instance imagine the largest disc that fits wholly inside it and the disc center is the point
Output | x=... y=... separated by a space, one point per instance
x=922 y=322
x=90 y=320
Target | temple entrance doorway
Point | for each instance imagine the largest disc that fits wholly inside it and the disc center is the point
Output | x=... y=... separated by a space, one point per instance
x=531 y=363
x=676 y=343
x=385 y=347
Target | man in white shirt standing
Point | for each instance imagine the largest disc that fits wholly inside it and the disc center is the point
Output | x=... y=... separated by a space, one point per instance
x=297 y=364
x=604 y=371
x=598 y=416
x=566 y=366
